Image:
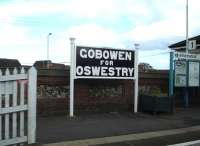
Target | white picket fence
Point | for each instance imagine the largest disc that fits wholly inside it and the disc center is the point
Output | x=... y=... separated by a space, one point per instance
x=18 y=106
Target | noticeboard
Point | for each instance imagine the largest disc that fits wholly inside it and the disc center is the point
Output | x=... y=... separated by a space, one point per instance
x=180 y=73
x=187 y=70
x=93 y=62
x=184 y=72
x=193 y=77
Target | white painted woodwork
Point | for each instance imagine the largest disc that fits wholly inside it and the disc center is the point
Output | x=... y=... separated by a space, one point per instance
x=32 y=101
x=12 y=89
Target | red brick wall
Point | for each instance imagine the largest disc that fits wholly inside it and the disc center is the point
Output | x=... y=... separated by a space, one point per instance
x=85 y=102
x=52 y=106
x=52 y=80
x=158 y=78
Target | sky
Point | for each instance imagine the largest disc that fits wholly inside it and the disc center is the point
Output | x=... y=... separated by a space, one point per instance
x=154 y=24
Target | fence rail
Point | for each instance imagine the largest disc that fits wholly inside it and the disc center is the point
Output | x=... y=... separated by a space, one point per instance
x=17 y=106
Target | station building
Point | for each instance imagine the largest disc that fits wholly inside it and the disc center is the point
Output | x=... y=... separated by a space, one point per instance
x=194 y=92
x=180 y=46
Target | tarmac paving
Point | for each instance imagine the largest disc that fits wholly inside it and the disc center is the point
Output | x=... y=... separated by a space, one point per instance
x=157 y=138
x=57 y=129
x=161 y=140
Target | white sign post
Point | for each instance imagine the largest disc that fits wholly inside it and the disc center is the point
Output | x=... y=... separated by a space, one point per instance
x=136 y=82
x=72 y=74
x=102 y=63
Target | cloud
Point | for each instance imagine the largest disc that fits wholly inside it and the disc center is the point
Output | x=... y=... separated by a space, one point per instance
x=158 y=30
x=157 y=58
x=13 y=34
x=20 y=8
x=106 y=8
x=17 y=42
x=92 y=34
x=153 y=24
x=88 y=35
x=169 y=28
x=92 y=9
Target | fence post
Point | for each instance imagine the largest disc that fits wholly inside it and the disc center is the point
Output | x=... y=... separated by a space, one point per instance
x=32 y=98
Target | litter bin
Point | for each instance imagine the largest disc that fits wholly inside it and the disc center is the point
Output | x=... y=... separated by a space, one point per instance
x=156 y=104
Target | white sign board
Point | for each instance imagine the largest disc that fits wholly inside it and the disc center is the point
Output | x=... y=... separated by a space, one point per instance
x=192 y=45
x=193 y=74
x=186 y=56
x=107 y=63
x=180 y=73
x=102 y=63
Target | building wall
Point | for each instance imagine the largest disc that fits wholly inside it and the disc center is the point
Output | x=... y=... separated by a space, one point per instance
x=92 y=95
x=103 y=95
x=53 y=91
x=153 y=81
